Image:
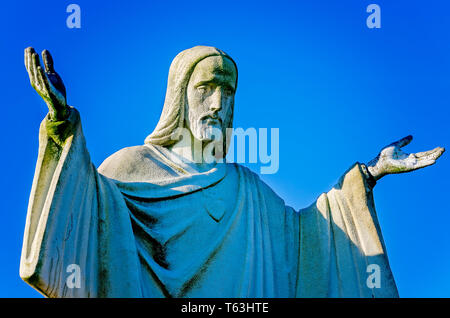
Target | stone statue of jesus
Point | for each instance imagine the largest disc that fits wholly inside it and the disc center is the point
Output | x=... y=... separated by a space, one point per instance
x=153 y=222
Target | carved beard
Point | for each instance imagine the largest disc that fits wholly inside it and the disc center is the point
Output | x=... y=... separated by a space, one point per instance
x=205 y=128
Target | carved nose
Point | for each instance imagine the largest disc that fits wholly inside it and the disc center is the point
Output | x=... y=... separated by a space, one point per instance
x=216 y=104
x=216 y=107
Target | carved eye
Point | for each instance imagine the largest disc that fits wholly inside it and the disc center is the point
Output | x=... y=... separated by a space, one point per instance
x=203 y=89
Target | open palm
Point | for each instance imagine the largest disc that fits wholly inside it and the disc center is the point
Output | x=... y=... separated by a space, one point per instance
x=392 y=159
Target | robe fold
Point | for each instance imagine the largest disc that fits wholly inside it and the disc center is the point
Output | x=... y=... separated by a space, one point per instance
x=145 y=225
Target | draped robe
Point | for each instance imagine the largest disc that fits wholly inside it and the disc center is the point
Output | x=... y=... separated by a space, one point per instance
x=145 y=225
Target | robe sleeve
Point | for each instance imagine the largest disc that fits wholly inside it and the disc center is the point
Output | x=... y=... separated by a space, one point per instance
x=341 y=249
x=78 y=239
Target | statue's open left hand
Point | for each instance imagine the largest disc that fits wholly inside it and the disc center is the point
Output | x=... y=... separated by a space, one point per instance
x=47 y=83
x=392 y=159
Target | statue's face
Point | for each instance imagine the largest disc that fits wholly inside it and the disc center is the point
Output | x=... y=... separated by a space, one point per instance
x=210 y=97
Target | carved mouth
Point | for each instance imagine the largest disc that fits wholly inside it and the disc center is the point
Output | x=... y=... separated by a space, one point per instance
x=212 y=120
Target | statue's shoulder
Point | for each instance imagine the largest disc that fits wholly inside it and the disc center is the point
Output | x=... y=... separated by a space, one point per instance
x=135 y=164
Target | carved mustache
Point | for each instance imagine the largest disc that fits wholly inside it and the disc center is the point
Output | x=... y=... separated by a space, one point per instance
x=211 y=115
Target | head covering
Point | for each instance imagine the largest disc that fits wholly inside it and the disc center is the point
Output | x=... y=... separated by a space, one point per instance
x=180 y=71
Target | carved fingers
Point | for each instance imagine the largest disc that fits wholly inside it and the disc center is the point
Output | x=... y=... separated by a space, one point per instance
x=393 y=159
x=426 y=158
x=398 y=161
x=47 y=82
x=29 y=65
x=48 y=61
x=37 y=76
x=402 y=142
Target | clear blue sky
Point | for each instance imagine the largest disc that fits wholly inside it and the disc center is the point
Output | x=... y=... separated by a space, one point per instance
x=337 y=91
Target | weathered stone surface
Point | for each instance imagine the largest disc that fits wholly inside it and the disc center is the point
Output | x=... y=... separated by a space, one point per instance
x=154 y=221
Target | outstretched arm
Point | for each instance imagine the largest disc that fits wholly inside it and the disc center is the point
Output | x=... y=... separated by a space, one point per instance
x=392 y=159
x=76 y=216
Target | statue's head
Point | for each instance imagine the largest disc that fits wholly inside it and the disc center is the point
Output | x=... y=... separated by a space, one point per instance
x=200 y=96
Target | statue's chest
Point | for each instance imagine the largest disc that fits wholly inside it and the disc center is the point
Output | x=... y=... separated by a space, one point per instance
x=216 y=201
x=189 y=221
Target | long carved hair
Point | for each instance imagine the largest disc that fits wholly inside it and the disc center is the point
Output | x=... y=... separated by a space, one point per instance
x=172 y=117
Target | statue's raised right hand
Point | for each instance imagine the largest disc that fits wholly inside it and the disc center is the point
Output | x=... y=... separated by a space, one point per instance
x=47 y=83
